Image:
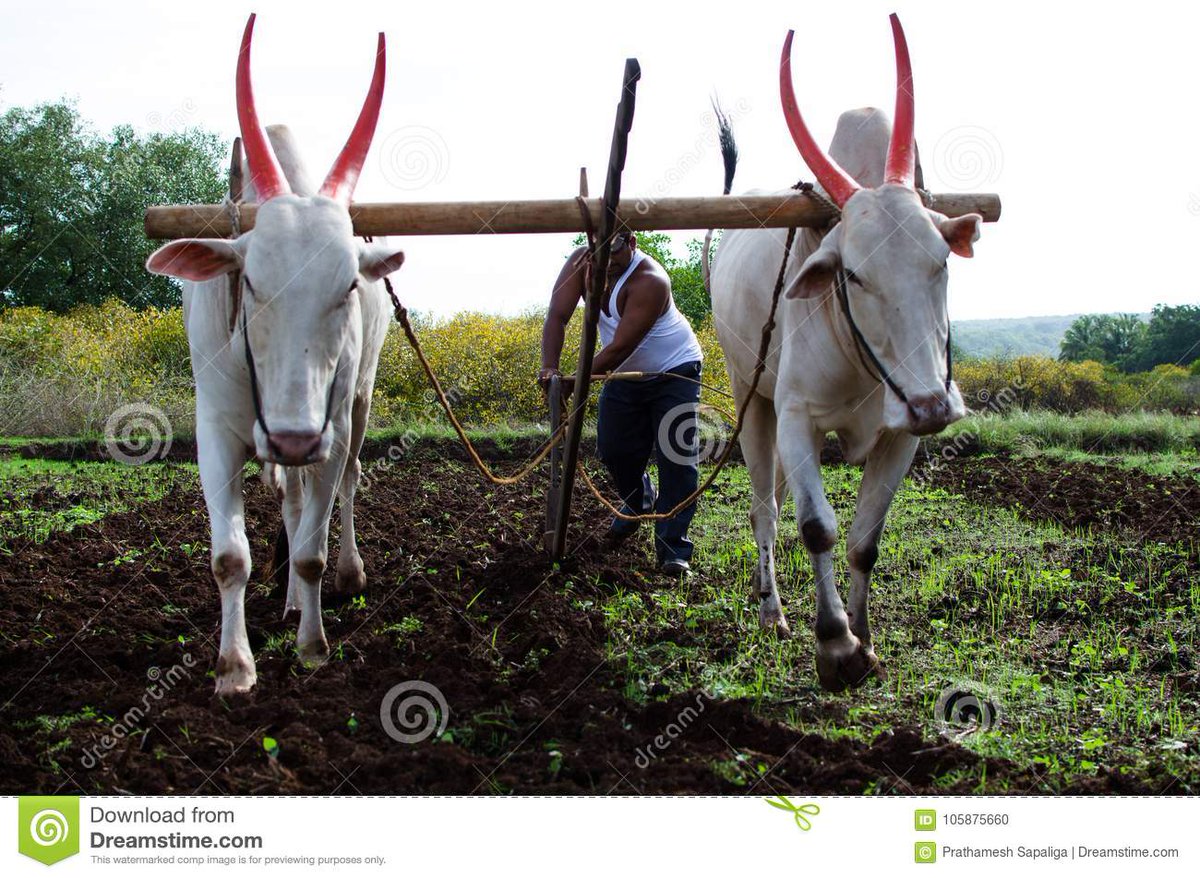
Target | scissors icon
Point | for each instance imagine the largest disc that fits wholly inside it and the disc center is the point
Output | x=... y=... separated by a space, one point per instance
x=798 y=812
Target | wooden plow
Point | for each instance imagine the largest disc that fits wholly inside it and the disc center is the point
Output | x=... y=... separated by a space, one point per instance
x=604 y=215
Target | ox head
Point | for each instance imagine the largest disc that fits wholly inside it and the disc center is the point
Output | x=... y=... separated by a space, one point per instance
x=891 y=255
x=300 y=269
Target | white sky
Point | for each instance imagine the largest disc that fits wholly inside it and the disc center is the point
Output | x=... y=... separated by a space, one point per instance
x=1084 y=116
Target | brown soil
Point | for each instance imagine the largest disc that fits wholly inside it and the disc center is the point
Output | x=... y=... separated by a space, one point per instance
x=515 y=645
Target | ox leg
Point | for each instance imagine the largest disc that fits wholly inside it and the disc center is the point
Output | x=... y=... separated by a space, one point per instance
x=351 y=579
x=220 y=455
x=309 y=553
x=885 y=470
x=758 y=447
x=293 y=504
x=841 y=659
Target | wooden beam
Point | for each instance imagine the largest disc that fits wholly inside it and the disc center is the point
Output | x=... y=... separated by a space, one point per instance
x=777 y=210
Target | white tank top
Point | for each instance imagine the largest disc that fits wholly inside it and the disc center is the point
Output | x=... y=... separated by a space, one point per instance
x=670 y=342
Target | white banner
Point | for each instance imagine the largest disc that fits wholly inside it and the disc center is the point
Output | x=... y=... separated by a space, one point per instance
x=596 y=836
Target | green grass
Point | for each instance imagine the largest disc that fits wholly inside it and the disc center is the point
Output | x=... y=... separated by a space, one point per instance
x=1075 y=635
x=1093 y=432
x=41 y=497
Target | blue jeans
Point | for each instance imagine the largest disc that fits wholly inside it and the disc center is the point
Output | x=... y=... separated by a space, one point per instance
x=636 y=417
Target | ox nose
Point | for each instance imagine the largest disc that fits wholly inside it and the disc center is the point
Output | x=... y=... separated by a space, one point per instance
x=929 y=413
x=293 y=449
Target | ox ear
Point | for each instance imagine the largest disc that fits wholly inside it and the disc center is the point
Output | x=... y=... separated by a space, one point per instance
x=195 y=258
x=819 y=270
x=379 y=259
x=961 y=233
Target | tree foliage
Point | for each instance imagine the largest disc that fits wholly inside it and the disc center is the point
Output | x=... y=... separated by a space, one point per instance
x=1127 y=343
x=72 y=205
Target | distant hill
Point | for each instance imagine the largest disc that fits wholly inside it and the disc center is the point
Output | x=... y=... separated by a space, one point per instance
x=1012 y=336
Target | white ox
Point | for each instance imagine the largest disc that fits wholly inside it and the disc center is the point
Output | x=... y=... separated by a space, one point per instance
x=284 y=366
x=878 y=376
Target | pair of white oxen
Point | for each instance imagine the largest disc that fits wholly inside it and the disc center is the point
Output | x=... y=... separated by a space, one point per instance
x=285 y=362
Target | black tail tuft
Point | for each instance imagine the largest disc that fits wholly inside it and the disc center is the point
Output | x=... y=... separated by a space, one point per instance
x=729 y=152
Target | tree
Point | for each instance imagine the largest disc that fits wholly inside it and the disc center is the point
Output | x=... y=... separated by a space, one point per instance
x=1173 y=336
x=72 y=205
x=1112 y=339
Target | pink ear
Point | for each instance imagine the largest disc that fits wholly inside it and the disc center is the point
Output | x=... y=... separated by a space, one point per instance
x=193 y=259
x=816 y=276
x=961 y=233
x=375 y=263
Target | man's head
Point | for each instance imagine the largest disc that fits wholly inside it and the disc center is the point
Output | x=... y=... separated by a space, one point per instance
x=623 y=245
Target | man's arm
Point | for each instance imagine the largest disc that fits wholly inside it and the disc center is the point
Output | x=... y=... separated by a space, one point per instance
x=568 y=290
x=643 y=306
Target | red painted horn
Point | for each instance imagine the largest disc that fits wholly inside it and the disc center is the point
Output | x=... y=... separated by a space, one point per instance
x=343 y=176
x=901 y=159
x=265 y=172
x=829 y=173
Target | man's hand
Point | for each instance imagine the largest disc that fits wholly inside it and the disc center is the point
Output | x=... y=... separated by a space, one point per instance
x=566 y=382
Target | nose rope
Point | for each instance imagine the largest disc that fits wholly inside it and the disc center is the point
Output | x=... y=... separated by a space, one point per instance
x=256 y=394
x=867 y=355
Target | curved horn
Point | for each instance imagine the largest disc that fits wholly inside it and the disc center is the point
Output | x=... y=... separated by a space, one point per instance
x=901 y=159
x=830 y=175
x=265 y=172
x=343 y=176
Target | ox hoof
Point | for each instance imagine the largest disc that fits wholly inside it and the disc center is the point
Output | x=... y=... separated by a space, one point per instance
x=313 y=655
x=774 y=621
x=235 y=675
x=350 y=580
x=844 y=662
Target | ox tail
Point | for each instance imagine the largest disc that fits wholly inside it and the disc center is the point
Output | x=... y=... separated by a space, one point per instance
x=729 y=156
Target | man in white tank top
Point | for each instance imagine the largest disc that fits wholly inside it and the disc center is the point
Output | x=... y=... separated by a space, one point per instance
x=641 y=331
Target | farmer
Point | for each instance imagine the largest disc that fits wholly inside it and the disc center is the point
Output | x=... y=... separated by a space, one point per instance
x=641 y=331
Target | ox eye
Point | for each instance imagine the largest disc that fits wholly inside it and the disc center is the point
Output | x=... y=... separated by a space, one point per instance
x=852 y=277
x=350 y=292
x=249 y=288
